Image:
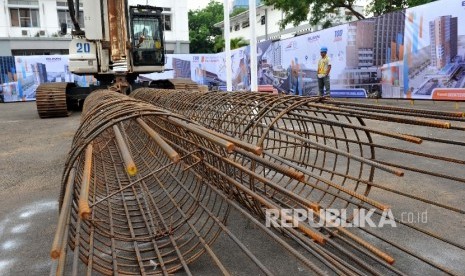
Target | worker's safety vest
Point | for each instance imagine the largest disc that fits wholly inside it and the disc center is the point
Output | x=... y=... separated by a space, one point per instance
x=323 y=64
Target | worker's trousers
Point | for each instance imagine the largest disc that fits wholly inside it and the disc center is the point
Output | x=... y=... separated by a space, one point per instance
x=323 y=86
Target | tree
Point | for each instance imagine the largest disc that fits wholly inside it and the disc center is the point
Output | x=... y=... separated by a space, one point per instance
x=202 y=33
x=237 y=11
x=235 y=43
x=238 y=42
x=322 y=12
x=378 y=7
x=326 y=12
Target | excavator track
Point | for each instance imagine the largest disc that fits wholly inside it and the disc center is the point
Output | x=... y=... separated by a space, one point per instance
x=51 y=99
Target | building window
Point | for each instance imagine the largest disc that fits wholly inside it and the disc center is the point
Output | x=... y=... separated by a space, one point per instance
x=245 y=24
x=23 y=17
x=262 y=20
x=65 y=4
x=64 y=17
x=167 y=22
x=237 y=27
x=27 y=52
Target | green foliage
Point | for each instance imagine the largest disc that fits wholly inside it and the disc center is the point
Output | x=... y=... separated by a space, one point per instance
x=202 y=33
x=378 y=7
x=237 y=42
x=238 y=11
x=219 y=44
x=413 y=3
x=325 y=12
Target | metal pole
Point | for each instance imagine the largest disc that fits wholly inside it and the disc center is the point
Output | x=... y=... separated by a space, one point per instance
x=266 y=24
x=77 y=10
x=227 y=45
x=253 y=45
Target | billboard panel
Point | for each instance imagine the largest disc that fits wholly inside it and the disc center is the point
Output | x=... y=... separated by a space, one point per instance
x=434 y=51
x=29 y=72
x=416 y=53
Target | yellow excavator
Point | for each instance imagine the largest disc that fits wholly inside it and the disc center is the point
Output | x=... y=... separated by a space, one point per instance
x=120 y=42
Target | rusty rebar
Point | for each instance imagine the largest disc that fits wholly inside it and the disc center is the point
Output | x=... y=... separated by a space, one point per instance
x=334 y=143
x=164 y=217
x=63 y=219
x=255 y=153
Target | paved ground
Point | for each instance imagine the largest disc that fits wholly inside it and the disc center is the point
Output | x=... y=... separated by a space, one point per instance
x=32 y=156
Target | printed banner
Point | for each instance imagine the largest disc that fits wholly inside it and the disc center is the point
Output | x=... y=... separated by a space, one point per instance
x=417 y=53
x=21 y=78
x=433 y=65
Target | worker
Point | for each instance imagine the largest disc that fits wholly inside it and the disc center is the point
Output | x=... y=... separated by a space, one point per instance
x=324 y=68
x=145 y=40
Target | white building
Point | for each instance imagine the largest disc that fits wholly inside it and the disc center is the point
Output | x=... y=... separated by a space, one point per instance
x=32 y=27
x=267 y=26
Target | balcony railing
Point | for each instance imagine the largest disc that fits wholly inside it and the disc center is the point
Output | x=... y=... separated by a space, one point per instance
x=23 y=3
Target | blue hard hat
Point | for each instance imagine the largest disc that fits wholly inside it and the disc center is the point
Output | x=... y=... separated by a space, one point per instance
x=324 y=49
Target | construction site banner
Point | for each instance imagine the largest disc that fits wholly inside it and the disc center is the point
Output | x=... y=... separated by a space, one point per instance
x=291 y=65
x=22 y=74
x=205 y=69
x=167 y=74
x=417 y=53
x=431 y=59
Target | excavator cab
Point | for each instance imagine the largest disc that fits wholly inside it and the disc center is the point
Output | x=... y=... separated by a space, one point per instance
x=120 y=43
x=146 y=27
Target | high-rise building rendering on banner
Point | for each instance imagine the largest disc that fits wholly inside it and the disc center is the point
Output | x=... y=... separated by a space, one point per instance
x=443 y=35
x=40 y=72
x=360 y=43
x=389 y=31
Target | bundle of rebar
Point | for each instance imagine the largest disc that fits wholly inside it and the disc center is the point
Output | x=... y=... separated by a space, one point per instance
x=129 y=203
x=148 y=186
x=146 y=191
x=318 y=152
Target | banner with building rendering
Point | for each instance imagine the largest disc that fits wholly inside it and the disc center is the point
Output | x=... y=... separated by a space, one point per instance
x=417 y=53
x=22 y=74
x=8 y=77
x=205 y=69
x=430 y=60
x=291 y=65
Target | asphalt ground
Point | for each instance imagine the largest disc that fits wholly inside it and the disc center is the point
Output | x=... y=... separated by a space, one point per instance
x=32 y=157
